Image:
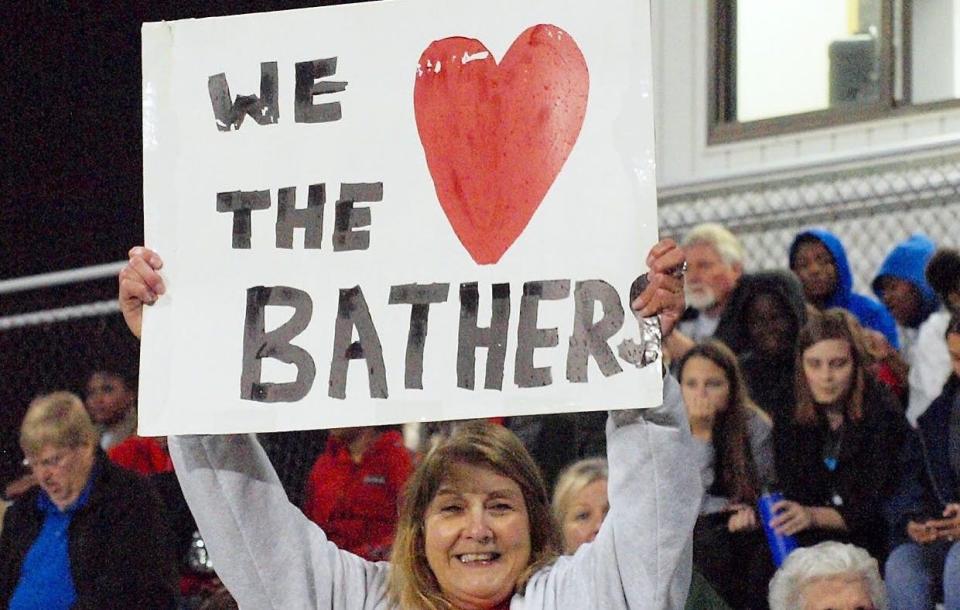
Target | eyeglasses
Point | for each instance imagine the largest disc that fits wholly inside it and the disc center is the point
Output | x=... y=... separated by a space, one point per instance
x=53 y=462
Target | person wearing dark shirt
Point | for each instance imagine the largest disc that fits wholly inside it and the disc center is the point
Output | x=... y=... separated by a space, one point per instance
x=91 y=535
x=836 y=456
x=760 y=325
x=924 y=515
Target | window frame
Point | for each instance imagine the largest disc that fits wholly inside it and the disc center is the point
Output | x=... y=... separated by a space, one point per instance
x=721 y=92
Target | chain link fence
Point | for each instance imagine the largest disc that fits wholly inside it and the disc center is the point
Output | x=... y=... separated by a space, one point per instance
x=870 y=207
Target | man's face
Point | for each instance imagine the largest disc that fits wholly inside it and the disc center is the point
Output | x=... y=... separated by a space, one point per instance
x=902 y=299
x=817 y=271
x=709 y=280
x=108 y=398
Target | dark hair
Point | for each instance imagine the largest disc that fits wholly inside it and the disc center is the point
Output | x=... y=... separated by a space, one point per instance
x=943 y=272
x=802 y=240
x=832 y=323
x=736 y=470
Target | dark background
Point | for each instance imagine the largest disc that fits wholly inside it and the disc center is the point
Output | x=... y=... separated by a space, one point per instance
x=70 y=125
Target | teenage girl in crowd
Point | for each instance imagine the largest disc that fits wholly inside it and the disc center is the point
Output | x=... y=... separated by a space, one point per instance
x=836 y=457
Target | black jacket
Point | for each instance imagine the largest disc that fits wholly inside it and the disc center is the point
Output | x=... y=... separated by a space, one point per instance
x=865 y=475
x=121 y=550
x=927 y=481
x=770 y=380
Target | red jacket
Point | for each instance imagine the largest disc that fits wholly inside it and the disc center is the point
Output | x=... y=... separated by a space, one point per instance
x=142 y=454
x=356 y=504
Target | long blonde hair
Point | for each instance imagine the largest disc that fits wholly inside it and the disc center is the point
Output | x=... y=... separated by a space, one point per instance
x=412 y=583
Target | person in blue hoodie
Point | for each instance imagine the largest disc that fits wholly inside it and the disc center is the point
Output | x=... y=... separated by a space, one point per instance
x=902 y=285
x=820 y=262
x=924 y=514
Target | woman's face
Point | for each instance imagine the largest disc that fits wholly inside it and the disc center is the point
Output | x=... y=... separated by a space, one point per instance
x=108 y=398
x=477 y=536
x=583 y=518
x=703 y=381
x=62 y=472
x=828 y=368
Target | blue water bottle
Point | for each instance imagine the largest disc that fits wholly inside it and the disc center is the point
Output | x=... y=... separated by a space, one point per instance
x=780 y=544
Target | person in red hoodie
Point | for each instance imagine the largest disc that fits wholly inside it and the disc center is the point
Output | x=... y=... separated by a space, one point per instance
x=142 y=454
x=353 y=488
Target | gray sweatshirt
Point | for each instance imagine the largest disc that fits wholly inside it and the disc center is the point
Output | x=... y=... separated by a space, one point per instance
x=270 y=556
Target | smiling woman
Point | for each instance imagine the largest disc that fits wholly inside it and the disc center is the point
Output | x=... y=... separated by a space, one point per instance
x=475 y=530
x=477 y=505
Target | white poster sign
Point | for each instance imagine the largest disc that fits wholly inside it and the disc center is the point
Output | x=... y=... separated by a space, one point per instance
x=396 y=211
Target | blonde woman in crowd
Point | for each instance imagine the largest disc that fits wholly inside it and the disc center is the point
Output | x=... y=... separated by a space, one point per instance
x=580 y=505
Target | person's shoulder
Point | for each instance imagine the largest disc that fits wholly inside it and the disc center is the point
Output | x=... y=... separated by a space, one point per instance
x=934 y=327
x=117 y=480
x=881 y=407
x=758 y=422
x=24 y=506
x=867 y=308
x=938 y=413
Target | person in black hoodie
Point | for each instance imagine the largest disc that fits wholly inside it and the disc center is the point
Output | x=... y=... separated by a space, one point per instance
x=835 y=456
x=760 y=325
x=924 y=514
x=91 y=535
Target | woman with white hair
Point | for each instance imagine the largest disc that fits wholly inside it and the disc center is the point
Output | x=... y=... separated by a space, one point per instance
x=830 y=575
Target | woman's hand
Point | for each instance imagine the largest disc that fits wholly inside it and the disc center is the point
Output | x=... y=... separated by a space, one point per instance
x=139 y=284
x=792 y=517
x=663 y=296
x=743 y=519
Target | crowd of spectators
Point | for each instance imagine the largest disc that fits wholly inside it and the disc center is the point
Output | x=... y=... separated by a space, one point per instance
x=792 y=381
x=862 y=394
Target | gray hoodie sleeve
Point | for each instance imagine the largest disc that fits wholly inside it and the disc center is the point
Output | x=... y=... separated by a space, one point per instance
x=641 y=558
x=268 y=554
x=271 y=557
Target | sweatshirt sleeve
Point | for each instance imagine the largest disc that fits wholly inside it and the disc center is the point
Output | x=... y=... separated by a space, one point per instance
x=267 y=553
x=642 y=556
x=930 y=365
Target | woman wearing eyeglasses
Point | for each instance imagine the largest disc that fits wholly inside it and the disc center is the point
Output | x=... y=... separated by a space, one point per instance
x=90 y=534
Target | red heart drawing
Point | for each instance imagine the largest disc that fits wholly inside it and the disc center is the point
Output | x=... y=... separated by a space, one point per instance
x=495 y=137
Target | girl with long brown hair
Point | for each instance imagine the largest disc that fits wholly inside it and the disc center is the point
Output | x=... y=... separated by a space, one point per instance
x=735 y=454
x=836 y=457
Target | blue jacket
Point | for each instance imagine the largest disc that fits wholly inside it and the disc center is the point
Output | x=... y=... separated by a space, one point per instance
x=908 y=261
x=871 y=313
x=927 y=482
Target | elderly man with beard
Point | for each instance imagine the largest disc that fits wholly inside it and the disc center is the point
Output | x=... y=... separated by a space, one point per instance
x=714 y=267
